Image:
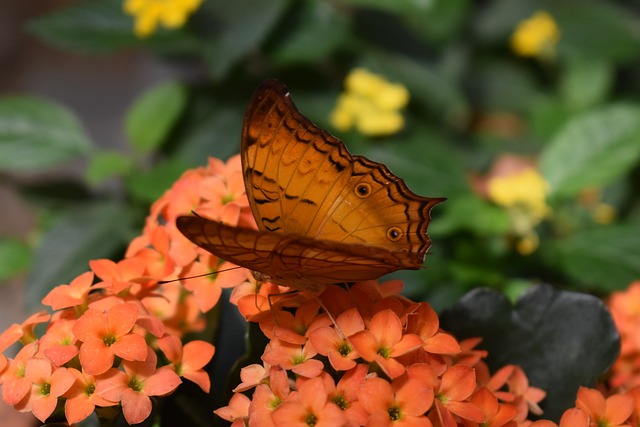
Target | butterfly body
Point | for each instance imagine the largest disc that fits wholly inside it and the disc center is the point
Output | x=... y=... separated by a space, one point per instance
x=323 y=215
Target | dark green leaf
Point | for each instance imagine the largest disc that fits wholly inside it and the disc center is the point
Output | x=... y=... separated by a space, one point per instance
x=401 y=7
x=153 y=115
x=236 y=28
x=427 y=85
x=595 y=29
x=607 y=258
x=593 y=149
x=314 y=31
x=586 y=83
x=210 y=127
x=87 y=232
x=148 y=186
x=424 y=159
x=36 y=134
x=15 y=257
x=107 y=164
x=468 y=212
x=98 y=26
x=571 y=332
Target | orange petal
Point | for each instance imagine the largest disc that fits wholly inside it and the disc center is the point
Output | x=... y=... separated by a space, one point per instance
x=619 y=408
x=591 y=402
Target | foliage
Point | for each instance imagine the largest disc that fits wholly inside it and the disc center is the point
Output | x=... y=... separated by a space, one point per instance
x=570 y=111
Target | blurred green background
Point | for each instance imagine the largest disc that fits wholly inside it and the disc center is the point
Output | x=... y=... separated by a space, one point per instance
x=96 y=122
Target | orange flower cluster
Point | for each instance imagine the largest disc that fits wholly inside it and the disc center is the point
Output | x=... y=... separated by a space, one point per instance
x=382 y=360
x=347 y=357
x=101 y=344
x=625 y=310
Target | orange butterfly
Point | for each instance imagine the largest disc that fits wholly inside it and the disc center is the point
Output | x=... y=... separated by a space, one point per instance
x=324 y=216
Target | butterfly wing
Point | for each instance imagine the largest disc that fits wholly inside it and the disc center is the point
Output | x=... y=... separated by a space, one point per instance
x=302 y=180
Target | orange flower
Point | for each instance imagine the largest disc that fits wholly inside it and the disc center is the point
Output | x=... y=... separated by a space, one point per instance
x=309 y=406
x=268 y=396
x=401 y=403
x=611 y=412
x=456 y=386
x=237 y=411
x=251 y=376
x=207 y=289
x=28 y=334
x=424 y=322
x=495 y=414
x=105 y=335
x=58 y=344
x=296 y=358
x=15 y=385
x=117 y=277
x=572 y=417
x=188 y=360
x=334 y=342
x=384 y=341
x=133 y=387
x=81 y=398
x=346 y=393
x=8 y=337
x=294 y=328
x=47 y=385
x=75 y=293
x=154 y=255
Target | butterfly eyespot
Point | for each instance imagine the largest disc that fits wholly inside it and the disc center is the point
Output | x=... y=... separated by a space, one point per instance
x=363 y=190
x=394 y=233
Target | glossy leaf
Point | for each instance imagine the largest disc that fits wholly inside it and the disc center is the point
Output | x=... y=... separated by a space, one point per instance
x=36 y=134
x=153 y=115
x=15 y=258
x=147 y=186
x=93 y=26
x=91 y=231
x=313 y=31
x=236 y=28
x=561 y=339
x=107 y=164
x=592 y=149
x=605 y=258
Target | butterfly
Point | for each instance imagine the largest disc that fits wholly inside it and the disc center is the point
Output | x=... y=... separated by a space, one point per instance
x=324 y=216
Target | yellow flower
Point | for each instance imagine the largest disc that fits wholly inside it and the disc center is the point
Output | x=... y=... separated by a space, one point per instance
x=370 y=104
x=151 y=13
x=536 y=36
x=523 y=194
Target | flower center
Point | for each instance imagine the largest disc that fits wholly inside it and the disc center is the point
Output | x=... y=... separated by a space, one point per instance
x=394 y=413
x=311 y=420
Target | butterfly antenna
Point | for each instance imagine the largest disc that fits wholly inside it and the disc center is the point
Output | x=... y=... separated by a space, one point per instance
x=333 y=320
x=162 y=282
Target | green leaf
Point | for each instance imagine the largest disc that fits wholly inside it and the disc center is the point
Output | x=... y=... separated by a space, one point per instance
x=595 y=29
x=402 y=7
x=586 y=83
x=424 y=159
x=86 y=232
x=235 y=28
x=148 y=186
x=154 y=114
x=36 y=134
x=107 y=164
x=313 y=31
x=569 y=331
x=592 y=150
x=427 y=85
x=15 y=258
x=606 y=258
x=468 y=212
x=98 y=26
